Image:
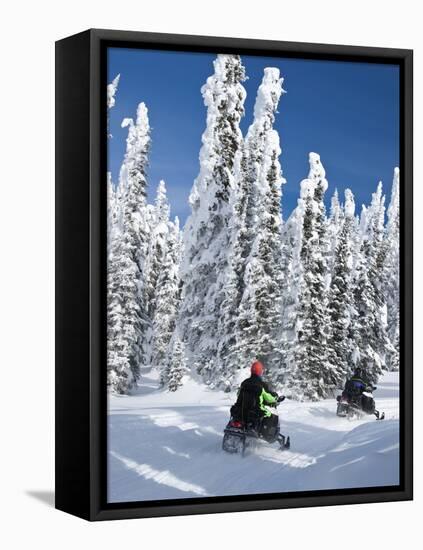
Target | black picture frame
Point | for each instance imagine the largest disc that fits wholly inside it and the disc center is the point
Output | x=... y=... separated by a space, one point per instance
x=81 y=431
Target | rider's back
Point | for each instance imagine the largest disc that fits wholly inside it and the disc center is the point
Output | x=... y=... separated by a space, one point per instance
x=354 y=386
x=248 y=399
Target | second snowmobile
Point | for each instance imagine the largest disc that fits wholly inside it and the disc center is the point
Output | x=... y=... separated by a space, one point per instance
x=356 y=406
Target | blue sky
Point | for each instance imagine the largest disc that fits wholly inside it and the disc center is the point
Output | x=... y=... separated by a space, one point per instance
x=347 y=112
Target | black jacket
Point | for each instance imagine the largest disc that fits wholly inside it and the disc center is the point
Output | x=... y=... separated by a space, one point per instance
x=355 y=386
x=253 y=394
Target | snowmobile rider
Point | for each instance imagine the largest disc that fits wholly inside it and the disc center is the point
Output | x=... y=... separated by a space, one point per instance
x=254 y=397
x=358 y=391
x=355 y=386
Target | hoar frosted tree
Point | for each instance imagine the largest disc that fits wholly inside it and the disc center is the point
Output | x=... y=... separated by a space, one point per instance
x=391 y=272
x=340 y=306
x=176 y=366
x=111 y=100
x=159 y=230
x=370 y=324
x=335 y=223
x=167 y=301
x=207 y=233
x=311 y=374
x=127 y=321
x=292 y=269
x=314 y=298
x=257 y=254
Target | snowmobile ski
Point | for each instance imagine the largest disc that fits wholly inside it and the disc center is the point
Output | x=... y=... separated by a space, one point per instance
x=284 y=442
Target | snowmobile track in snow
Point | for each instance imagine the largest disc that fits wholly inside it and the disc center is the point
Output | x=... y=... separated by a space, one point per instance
x=168 y=445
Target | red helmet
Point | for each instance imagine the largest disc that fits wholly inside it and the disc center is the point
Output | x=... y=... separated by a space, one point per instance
x=257 y=368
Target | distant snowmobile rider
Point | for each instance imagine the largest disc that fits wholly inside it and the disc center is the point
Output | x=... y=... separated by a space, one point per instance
x=355 y=386
x=359 y=391
x=254 y=397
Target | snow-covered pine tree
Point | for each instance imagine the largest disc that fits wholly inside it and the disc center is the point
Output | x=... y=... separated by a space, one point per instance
x=250 y=321
x=111 y=91
x=157 y=247
x=371 y=343
x=167 y=298
x=111 y=101
x=207 y=233
x=292 y=269
x=111 y=209
x=356 y=244
x=311 y=375
x=335 y=224
x=112 y=196
x=391 y=269
x=319 y=176
x=126 y=315
x=261 y=144
x=176 y=364
x=340 y=304
x=228 y=353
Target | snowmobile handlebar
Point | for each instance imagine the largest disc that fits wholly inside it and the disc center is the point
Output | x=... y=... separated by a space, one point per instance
x=279 y=399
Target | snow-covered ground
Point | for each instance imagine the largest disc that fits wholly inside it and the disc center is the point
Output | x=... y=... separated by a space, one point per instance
x=166 y=445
